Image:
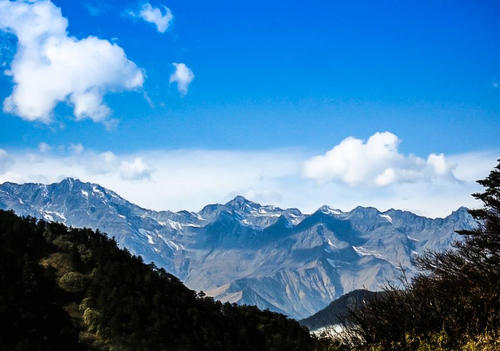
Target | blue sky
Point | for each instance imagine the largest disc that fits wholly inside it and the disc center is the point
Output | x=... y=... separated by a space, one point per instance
x=270 y=77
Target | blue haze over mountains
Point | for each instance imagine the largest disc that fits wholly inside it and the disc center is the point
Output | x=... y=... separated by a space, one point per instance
x=244 y=252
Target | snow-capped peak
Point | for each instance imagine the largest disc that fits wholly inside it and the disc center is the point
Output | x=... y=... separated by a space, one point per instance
x=330 y=211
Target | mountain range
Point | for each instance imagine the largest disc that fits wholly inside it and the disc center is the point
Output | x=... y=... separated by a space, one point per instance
x=243 y=252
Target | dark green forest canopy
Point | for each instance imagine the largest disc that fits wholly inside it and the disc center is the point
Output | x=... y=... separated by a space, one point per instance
x=74 y=289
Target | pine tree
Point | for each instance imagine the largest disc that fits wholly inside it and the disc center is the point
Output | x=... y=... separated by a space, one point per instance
x=482 y=245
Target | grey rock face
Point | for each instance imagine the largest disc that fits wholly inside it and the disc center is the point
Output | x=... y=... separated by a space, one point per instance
x=247 y=253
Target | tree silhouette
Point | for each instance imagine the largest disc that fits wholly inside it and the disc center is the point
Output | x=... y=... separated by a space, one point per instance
x=456 y=295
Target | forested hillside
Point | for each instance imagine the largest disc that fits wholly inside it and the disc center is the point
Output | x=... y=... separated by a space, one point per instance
x=74 y=289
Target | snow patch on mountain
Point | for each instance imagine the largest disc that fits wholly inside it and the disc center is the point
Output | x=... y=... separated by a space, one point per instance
x=386 y=217
x=364 y=252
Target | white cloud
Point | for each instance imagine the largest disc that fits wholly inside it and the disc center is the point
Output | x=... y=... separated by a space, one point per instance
x=376 y=162
x=76 y=148
x=44 y=147
x=161 y=19
x=96 y=7
x=190 y=179
x=183 y=76
x=4 y=160
x=474 y=165
x=52 y=67
x=136 y=169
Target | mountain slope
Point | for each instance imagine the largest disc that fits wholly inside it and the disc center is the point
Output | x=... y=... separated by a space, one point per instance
x=247 y=253
x=337 y=311
x=73 y=289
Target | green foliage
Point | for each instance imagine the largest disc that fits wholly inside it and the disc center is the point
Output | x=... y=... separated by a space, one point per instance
x=91 y=319
x=73 y=282
x=74 y=289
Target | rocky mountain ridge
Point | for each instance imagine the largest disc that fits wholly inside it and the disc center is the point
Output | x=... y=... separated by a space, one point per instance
x=244 y=252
